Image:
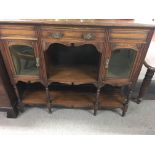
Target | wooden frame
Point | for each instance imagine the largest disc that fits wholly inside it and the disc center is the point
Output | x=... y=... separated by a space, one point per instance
x=105 y=37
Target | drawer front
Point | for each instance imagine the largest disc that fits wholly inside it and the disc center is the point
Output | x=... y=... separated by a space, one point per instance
x=73 y=34
x=18 y=32
x=128 y=35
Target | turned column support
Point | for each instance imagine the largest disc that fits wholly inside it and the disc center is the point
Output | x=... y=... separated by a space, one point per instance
x=20 y=105
x=48 y=100
x=96 y=105
x=145 y=84
x=128 y=93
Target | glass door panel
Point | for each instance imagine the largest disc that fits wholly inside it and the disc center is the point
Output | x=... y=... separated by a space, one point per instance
x=121 y=62
x=24 y=60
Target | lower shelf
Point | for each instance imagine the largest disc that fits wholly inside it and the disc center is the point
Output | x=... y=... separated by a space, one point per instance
x=34 y=94
x=86 y=100
x=73 y=97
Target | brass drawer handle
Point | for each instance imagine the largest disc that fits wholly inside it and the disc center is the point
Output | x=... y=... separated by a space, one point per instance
x=57 y=35
x=88 y=36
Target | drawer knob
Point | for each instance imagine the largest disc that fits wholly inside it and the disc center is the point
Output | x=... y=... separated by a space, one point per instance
x=57 y=35
x=88 y=36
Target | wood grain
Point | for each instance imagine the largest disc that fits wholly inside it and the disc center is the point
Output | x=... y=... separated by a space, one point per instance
x=104 y=35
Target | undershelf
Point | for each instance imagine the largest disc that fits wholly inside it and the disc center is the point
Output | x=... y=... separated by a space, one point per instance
x=70 y=99
x=73 y=74
x=111 y=100
x=71 y=96
x=84 y=96
x=34 y=94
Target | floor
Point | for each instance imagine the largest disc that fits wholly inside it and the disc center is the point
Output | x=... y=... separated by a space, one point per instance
x=138 y=120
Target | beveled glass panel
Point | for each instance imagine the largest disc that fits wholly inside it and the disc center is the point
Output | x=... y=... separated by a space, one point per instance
x=121 y=63
x=24 y=60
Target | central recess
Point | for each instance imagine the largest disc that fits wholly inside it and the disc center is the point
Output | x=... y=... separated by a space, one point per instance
x=72 y=64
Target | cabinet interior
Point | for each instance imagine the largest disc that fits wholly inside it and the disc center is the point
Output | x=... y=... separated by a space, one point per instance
x=121 y=63
x=24 y=60
x=72 y=63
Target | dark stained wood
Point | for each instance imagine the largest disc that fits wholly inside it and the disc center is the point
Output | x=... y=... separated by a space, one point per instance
x=73 y=74
x=104 y=35
x=34 y=97
x=7 y=95
x=81 y=22
x=71 y=34
x=18 y=32
x=73 y=99
x=145 y=84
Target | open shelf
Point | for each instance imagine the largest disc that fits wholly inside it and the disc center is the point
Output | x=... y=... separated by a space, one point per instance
x=33 y=94
x=71 y=96
x=70 y=64
x=111 y=100
x=73 y=74
x=84 y=96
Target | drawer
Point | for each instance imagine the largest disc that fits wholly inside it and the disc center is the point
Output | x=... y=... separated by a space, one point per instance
x=129 y=35
x=18 y=32
x=73 y=34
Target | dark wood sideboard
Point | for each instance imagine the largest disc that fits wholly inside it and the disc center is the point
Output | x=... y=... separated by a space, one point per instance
x=92 y=64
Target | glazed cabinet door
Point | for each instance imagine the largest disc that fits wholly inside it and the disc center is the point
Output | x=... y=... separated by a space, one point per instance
x=121 y=63
x=23 y=59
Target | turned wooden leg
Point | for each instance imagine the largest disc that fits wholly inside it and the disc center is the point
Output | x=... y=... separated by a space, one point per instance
x=127 y=99
x=48 y=100
x=20 y=105
x=145 y=85
x=97 y=101
x=12 y=113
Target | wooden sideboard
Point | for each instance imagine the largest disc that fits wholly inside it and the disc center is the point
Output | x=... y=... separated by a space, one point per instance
x=74 y=63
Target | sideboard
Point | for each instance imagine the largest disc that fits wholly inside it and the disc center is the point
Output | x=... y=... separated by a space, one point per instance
x=88 y=64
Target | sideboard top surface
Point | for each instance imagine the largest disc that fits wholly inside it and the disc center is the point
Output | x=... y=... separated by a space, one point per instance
x=83 y=22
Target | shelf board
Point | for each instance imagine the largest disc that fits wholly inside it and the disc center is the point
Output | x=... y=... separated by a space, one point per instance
x=37 y=96
x=73 y=74
x=71 y=99
x=74 y=97
x=111 y=100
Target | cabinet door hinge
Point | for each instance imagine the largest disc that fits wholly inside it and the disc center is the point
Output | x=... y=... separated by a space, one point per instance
x=107 y=63
x=37 y=62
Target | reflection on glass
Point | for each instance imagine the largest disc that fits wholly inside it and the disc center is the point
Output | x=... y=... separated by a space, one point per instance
x=24 y=60
x=121 y=62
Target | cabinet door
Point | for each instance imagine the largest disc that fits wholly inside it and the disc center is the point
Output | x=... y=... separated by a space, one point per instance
x=23 y=56
x=121 y=62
